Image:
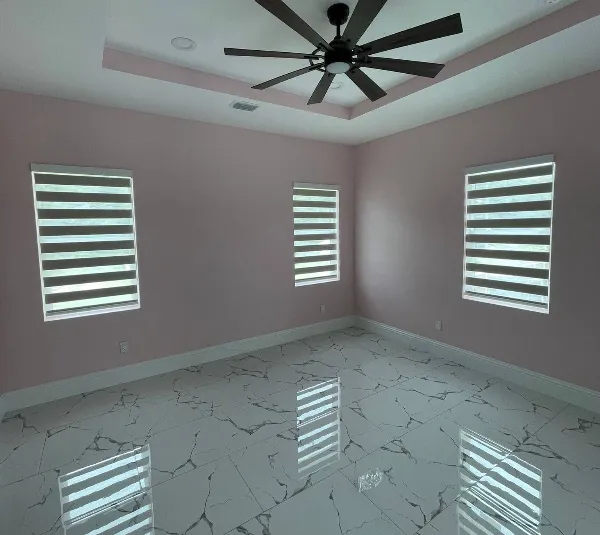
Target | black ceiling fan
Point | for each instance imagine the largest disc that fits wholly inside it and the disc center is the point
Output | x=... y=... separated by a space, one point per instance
x=343 y=55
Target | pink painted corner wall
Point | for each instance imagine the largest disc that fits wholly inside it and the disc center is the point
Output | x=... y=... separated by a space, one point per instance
x=214 y=227
x=409 y=230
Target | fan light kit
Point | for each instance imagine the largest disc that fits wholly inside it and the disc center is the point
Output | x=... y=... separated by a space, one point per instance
x=343 y=55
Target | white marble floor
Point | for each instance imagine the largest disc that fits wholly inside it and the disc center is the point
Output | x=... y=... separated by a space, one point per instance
x=460 y=452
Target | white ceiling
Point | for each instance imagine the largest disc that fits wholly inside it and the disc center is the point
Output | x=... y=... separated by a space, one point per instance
x=147 y=27
x=55 y=48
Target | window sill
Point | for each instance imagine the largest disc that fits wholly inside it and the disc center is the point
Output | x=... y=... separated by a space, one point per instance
x=91 y=312
x=509 y=304
x=318 y=281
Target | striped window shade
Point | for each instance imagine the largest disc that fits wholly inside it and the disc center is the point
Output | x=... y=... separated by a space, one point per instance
x=316 y=233
x=508 y=233
x=86 y=236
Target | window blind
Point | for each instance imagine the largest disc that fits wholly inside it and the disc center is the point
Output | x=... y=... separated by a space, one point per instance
x=316 y=236
x=86 y=236
x=508 y=233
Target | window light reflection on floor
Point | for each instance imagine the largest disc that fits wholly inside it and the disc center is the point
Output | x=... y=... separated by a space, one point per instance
x=500 y=493
x=318 y=420
x=112 y=497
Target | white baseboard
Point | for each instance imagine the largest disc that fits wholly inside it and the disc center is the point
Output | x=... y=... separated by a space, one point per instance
x=19 y=399
x=568 y=392
x=573 y=394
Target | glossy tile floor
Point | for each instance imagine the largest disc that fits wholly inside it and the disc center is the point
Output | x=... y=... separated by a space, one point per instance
x=216 y=450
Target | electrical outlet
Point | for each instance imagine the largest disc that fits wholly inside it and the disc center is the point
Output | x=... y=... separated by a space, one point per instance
x=322 y=309
x=124 y=347
x=438 y=325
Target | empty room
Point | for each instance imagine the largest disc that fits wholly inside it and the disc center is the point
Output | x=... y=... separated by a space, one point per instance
x=290 y=267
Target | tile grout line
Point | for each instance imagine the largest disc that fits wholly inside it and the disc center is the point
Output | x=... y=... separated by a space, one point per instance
x=249 y=489
x=337 y=471
x=39 y=464
x=431 y=419
x=535 y=434
x=422 y=423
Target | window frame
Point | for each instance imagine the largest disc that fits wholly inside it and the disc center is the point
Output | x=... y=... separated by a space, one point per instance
x=537 y=161
x=70 y=170
x=325 y=187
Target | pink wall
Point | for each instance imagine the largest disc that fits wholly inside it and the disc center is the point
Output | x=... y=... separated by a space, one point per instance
x=213 y=207
x=214 y=226
x=409 y=230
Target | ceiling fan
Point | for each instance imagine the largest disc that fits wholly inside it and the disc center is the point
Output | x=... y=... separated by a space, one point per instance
x=343 y=55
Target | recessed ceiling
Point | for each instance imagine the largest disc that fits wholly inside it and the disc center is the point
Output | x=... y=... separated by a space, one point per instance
x=56 y=48
x=147 y=27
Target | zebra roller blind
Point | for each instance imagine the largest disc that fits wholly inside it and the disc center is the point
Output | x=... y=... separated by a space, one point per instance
x=508 y=233
x=86 y=236
x=316 y=236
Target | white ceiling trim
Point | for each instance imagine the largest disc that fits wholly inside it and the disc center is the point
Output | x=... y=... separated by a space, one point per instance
x=536 y=31
x=118 y=60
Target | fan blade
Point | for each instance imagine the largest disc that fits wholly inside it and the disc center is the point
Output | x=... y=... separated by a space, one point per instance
x=363 y=15
x=268 y=54
x=287 y=76
x=321 y=89
x=366 y=85
x=426 y=32
x=418 y=68
x=289 y=17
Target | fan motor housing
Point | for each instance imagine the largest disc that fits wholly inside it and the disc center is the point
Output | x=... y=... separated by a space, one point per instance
x=340 y=52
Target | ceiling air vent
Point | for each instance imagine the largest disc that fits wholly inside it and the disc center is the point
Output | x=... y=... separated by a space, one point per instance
x=243 y=106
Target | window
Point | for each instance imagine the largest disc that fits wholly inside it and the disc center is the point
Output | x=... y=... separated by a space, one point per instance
x=316 y=237
x=86 y=240
x=508 y=233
